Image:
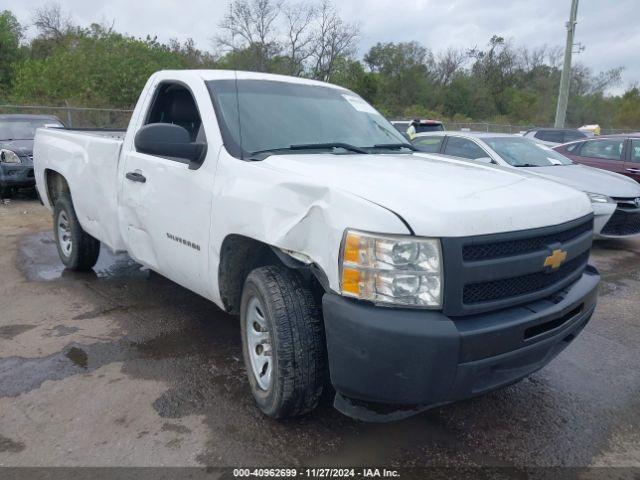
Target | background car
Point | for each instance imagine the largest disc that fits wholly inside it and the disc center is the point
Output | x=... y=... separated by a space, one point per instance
x=555 y=136
x=615 y=153
x=615 y=198
x=16 y=149
x=413 y=127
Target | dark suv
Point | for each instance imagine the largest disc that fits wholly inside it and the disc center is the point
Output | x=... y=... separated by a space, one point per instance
x=16 y=149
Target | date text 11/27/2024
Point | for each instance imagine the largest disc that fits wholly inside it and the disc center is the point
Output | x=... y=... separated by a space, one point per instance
x=316 y=472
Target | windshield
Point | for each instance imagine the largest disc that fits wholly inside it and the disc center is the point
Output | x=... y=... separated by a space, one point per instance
x=522 y=152
x=272 y=115
x=24 y=129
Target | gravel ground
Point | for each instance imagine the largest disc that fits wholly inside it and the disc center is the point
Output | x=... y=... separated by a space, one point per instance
x=124 y=367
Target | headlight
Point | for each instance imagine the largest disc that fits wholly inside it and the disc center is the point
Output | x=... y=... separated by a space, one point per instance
x=9 y=156
x=398 y=270
x=598 y=198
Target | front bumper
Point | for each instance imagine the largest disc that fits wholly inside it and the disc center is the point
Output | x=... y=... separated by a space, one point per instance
x=419 y=358
x=611 y=221
x=601 y=214
x=12 y=175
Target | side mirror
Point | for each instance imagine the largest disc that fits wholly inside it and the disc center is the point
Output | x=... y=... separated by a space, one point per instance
x=484 y=160
x=169 y=140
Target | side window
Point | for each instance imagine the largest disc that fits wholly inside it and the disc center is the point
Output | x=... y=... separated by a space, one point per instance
x=635 y=150
x=428 y=144
x=606 y=149
x=175 y=104
x=573 y=148
x=461 y=147
x=556 y=136
x=571 y=135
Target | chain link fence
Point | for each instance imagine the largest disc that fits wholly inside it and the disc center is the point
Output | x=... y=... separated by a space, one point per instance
x=507 y=128
x=77 y=117
x=81 y=117
x=488 y=127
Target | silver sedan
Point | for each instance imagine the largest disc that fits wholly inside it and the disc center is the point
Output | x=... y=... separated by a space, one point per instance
x=615 y=198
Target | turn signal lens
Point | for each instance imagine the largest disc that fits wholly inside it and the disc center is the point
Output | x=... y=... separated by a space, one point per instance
x=351 y=247
x=351 y=281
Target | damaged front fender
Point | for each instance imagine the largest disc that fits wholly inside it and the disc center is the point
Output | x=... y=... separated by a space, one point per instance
x=291 y=212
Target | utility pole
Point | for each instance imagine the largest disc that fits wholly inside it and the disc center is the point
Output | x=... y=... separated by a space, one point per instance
x=565 y=77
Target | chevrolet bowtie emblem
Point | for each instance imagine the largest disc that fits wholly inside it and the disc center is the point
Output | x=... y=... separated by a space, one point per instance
x=553 y=261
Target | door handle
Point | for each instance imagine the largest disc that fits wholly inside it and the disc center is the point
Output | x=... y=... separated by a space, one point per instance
x=136 y=177
x=633 y=170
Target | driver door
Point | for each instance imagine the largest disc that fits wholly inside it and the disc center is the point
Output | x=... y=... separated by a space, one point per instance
x=166 y=202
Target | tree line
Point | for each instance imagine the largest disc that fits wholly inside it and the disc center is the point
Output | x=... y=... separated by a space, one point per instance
x=70 y=64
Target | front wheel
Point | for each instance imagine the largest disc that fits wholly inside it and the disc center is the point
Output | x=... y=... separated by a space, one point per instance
x=78 y=250
x=282 y=342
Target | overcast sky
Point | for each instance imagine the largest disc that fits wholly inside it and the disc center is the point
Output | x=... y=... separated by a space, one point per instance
x=610 y=31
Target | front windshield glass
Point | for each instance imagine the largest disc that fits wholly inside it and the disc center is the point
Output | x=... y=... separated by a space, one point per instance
x=522 y=152
x=271 y=115
x=24 y=129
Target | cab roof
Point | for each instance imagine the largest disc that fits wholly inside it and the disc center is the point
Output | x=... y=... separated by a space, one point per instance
x=209 y=75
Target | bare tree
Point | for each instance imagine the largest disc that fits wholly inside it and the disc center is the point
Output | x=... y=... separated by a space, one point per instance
x=530 y=59
x=555 y=55
x=448 y=64
x=251 y=24
x=51 y=21
x=299 y=20
x=334 y=39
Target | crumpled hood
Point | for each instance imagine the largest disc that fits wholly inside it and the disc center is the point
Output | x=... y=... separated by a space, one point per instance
x=588 y=179
x=442 y=197
x=23 y=148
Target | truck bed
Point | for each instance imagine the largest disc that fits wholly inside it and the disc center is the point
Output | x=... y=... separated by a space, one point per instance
x=89 y=160
x=115 y=134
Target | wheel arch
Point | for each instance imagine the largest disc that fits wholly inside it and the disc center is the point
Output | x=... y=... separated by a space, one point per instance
x=55 y=185
x=240 y=255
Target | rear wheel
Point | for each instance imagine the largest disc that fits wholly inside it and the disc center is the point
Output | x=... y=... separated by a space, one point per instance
x=77 y=249
x=282 y=342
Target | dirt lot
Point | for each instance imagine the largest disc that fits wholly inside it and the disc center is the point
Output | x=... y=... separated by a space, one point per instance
x=123 y=367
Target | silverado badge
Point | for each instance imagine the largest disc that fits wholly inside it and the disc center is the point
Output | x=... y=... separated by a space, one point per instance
x=553 y=261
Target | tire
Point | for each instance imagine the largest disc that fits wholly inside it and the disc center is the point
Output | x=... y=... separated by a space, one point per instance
x=5 y=192
x=296 y=367
x=78 y=250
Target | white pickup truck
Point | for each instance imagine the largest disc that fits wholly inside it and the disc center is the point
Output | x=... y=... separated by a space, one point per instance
x=354 y=265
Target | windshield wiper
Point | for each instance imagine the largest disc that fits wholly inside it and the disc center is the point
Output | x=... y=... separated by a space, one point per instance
x=394 y=146
x=529 y=165
x=262 y=154
x=323 y=146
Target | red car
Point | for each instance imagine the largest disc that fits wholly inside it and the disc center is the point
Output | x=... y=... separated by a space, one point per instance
x=616 y=153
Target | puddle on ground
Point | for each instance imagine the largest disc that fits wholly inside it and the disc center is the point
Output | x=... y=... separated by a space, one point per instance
x=78 y=357
x=10 y=446
x=61 y=331
x=10 y=331
x=20 y=375
x=39 y=261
